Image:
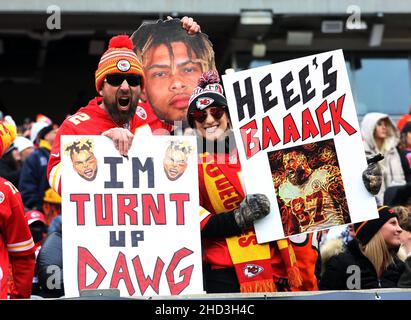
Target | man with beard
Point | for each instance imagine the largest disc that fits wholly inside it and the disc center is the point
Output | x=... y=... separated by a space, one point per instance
x=314 y=198
x=119 y=82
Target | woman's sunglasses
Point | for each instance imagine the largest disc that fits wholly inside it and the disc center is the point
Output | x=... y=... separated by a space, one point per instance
x=116 y=80
x=201 y=115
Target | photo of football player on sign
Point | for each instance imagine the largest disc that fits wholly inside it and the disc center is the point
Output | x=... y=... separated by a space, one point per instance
x=309 y=187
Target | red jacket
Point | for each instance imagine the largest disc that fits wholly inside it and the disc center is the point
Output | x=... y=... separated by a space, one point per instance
x=220 y=178
x=93 y=120
x=16 y=244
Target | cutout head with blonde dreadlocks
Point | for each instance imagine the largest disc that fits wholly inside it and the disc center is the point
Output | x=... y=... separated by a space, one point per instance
x=83 y=158
x=173 y=60
x=175 y=159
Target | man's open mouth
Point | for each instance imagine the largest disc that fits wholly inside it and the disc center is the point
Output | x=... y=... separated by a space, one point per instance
x=124 y=102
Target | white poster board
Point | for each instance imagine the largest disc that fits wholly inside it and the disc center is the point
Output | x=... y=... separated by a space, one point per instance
x=300 y=144
x=131 y=223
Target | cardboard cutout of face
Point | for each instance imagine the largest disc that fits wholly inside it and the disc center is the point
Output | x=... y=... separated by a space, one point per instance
x=173 y=61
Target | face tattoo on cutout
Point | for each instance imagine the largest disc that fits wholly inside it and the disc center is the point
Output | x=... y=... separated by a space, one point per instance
x=82 y=157
x=175 y=159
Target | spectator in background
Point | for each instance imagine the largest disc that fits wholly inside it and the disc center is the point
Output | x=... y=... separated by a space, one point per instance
x=24 y=146
x=10 y=165
x=38 y=228
x=35 y=129
x=381 y=136
x=51 y=255
x=404 y=119
x=398 y=196
x=16 y=244
x=405 y=223
x=51 y=205
x=374 y=252
x=25 y=128
x=405 y=150
x=33 y=181
x=55 y=225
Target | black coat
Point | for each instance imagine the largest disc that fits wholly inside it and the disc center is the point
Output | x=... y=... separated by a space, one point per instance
x=51 y=255
x=9 y=169
x=33 y=179
x=338 y=275
x=405 y=280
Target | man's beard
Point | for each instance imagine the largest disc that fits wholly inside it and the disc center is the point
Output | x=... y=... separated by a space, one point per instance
x=121 y=117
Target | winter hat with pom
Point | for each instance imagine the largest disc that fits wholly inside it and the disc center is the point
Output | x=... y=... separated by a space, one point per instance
x=209 y=92
x=118 y=59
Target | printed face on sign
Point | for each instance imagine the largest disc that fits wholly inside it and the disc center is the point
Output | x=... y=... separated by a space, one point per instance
x=83 y=159
x=309 y=187
x=175 y=160
x=85 y=164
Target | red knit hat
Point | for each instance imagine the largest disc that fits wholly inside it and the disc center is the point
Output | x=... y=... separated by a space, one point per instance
x=118 y=59
x=209 y=92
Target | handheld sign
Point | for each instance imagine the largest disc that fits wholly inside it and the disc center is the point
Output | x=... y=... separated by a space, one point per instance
x=299 y=143
x=131 y=223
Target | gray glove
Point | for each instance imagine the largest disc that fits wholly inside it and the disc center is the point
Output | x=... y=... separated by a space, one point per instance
x=372 y=175
x=253 y=207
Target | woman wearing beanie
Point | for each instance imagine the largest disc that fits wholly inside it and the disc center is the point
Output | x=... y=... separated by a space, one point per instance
x=369 y=261
x=233 y=261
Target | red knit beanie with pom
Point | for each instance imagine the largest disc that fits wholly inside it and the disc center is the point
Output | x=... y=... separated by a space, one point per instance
x=118 y=59
x=209 y=92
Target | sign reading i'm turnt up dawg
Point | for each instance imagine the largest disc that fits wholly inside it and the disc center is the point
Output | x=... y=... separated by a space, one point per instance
x=131 y=223
x=299 y=143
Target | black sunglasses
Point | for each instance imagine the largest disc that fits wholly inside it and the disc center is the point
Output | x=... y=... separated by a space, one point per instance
x=201 y=115
x=117 y=79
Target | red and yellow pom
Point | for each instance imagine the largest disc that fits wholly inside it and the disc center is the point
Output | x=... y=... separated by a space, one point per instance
x=122 y=41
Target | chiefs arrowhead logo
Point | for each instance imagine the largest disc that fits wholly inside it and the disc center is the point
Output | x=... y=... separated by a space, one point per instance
x=141 y=113
x=123 y=65
x=251 y=270
x=204 y=102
